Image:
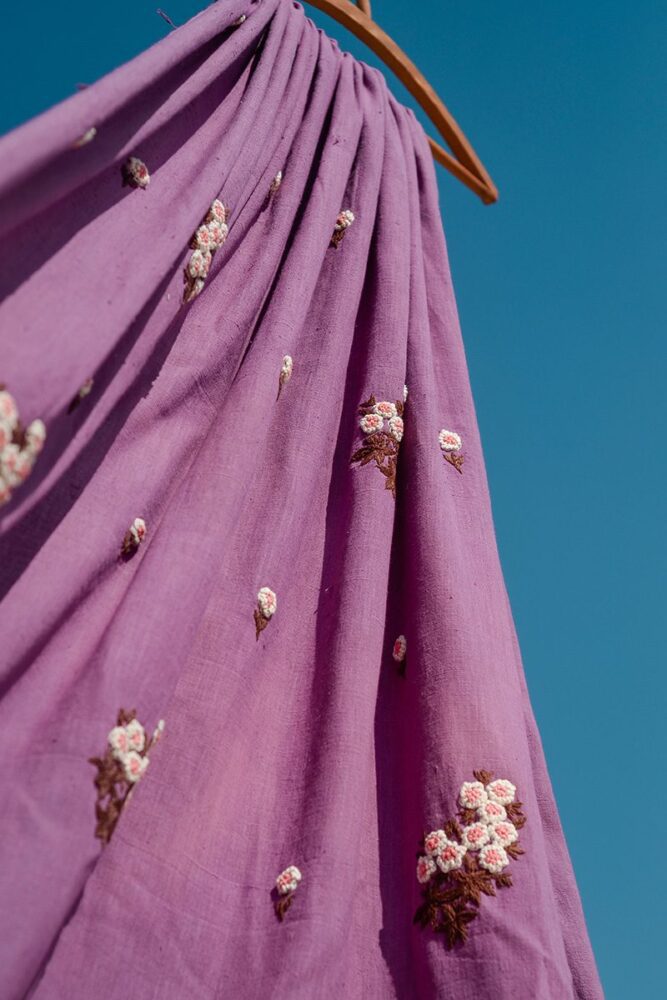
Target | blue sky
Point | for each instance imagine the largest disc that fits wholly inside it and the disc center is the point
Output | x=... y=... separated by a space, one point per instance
x=563 y=312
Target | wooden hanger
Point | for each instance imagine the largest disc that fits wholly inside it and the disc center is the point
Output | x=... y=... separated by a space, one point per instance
x=464 y=164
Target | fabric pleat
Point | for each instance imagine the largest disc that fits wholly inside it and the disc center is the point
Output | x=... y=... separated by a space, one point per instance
x=303 y=746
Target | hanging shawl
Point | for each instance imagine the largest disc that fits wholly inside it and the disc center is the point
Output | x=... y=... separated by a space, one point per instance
x=221 y=266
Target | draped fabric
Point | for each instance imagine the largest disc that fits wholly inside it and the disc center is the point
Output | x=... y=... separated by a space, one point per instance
x=302 y=742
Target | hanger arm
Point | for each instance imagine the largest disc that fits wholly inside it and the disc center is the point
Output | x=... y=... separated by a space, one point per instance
x=464 y=164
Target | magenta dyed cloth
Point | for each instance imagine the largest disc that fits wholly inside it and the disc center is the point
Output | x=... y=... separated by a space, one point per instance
x=306 y=746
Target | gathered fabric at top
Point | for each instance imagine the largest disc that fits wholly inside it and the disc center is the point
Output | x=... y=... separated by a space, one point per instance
x=263 y=718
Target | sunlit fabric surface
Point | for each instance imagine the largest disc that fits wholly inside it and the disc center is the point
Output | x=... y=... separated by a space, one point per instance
x=304 y=746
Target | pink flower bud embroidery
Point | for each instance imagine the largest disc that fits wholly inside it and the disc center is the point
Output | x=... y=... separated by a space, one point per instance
x=123 y=763
x=134 y=536
x=343 y=223
x=285 y=373
x=19 y=448
x=382 y=442
x=399 y=652
x=135 y=173
x=286 y=885
x=450 y=445
x=467 y=859
x=267 y=603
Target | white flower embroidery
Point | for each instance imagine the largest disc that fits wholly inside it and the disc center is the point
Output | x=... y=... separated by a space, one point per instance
x=398 y=652
x=268 y=602
x=218 y=232
x=204 y=238
x=136 y=735
x=472 y=794
x=503 y=833
x=405 y=393
x=9 y=460
x=385 y=409
x=475 y=836
x=493 y=858
x=449 y=440
x=35 y=436
x=134 y=536
x=194 y=289
x=239 y=21
x=135 y=173
x=5 y=492
x=6 y=433
x=425 y=868
x=491 y=812
x=502 y=791
x=288 y=880
x=275 y=183
x=119 y=741
x=435 y=841
x=396 y=428
x=345 y=219
x=134 y=765
x=285 y=372
x=199 y=263
x=371 y=422
x=217 y=212
x=450 y=857
x=8 y=408
x=22 y=468
x=158 y=731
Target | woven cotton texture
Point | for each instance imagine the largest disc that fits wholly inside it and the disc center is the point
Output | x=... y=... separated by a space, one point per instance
x=291 y=737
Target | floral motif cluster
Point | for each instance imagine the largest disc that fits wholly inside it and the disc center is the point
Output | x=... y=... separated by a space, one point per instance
x=343 y=223
x=207 y=239
x=382 y=423
x=19 y=447
x=286 y=885
x=267 y=603
x=468 y=857
x=123 y=764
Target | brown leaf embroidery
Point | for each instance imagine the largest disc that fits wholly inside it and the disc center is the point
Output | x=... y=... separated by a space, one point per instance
x=467 y=859
x=381 y=446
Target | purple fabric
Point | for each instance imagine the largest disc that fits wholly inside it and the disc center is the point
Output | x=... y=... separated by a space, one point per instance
x=304 y=747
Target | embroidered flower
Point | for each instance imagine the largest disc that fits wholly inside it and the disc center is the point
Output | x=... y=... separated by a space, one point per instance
x=218 y=232
x=204 y=241
x=119 y=741
x=343 y=223
x=491 y=812
x=435 y=841
x=275 y=184
x=400 y=649
x=471 y=864
x=493 y=858
x=9 y=460
x=450 y=444
x=5 y=492
x=405 y=393
x=425 y=868
x=134 y=765
x=239 y=21
x=371 y=422
x=286 y=885
x=22 y=467
x=194 y=289
x=285 y=373
x=84 y=391
x=475 y=836
x=450 y=857
x=199 y=263
x=472 y=794
x=217 y=212
x=288 y=880
x=449 y=441
x=136 y=735
x=503 y=833
x=396 y=428
x=158 y=731
x=267 y=602
x=501 y=791
x=8 y=408
x=385 y=409
x=134 y=536
x=84 y=139
x=6 y=433
x=135 y=173
x=35 y=436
